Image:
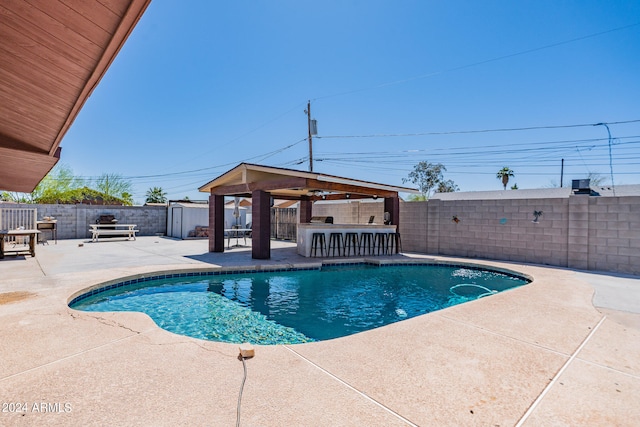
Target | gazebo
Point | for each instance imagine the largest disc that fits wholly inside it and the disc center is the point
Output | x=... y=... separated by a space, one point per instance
x=264 y=183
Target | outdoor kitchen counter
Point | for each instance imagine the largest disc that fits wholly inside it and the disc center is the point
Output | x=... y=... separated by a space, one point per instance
x=305 y=232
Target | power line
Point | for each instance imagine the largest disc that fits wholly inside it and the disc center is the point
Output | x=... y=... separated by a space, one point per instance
x=610 y=156
x=260 y=157
x=257 y=127
x=531 y=149
x=477 y=131
x=486 y=61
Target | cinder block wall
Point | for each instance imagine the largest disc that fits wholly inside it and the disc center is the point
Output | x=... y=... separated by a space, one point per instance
x=73 y=220
x=351 y=212
x=581 y=231
x=614 y=234
x=503 y=229
x=414 y=226
x=413 y=219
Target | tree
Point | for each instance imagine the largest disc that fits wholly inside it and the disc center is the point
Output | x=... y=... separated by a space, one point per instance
x=15 y=197
x=447 y=186
x=114 y=186
x=416 y=198
x=426 y=176
x=83 y=195
x=596 y=179
x=127 y=198
x=504 y=174
x=514 y=186
x=58 y=186
x=156 y=195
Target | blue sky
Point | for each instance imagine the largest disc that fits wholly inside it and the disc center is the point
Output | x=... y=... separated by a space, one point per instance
x=201 y=86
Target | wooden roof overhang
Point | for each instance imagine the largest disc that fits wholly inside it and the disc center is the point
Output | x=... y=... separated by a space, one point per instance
x=292 y=184
x=52 y=56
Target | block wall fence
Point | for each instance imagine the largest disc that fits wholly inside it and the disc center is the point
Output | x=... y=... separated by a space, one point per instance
x=582 y=232
x=73 y=220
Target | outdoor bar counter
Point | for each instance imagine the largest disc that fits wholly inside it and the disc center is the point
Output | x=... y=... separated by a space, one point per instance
x=305 y=232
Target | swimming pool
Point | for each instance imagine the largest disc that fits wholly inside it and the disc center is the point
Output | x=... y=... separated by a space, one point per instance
x=288 y=306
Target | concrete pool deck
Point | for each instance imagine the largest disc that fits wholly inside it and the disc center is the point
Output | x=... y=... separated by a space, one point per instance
x=549 y=353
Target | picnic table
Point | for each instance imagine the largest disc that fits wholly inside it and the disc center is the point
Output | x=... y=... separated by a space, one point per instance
x=30 y=234
x=97 y=230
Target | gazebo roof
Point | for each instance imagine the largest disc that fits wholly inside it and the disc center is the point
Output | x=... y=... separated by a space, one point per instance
x=292 y=184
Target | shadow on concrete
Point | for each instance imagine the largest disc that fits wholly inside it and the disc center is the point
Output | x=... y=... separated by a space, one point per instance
x=243 y=256
x=280 y=255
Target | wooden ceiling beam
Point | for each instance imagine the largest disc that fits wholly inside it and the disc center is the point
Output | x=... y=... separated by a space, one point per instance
x=124 y=28
x=22 y=170
x=14 y=144
x=281 y=184
x=347 y=188
x=340 y=196
x=307 y=184
x=54 y=53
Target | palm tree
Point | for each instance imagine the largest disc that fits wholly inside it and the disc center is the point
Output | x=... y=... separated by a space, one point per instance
x=504 y=175
x=156 y=195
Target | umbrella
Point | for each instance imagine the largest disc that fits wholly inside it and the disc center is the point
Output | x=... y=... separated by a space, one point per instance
x=236 y=208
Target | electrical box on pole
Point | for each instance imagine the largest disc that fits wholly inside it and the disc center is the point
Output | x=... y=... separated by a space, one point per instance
x=312 y=126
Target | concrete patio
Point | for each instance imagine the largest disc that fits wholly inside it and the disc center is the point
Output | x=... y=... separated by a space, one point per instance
x=549 y=353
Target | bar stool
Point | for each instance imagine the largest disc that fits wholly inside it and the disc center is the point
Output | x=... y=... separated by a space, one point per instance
x=394 y=243
x=366 y=243
x=351 y=243
x=335 y=242
x=317 y=239
x=380 y=243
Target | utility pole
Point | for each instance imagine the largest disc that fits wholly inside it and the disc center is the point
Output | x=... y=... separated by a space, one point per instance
x=561 y=172
x=308 y=111
x=613 y=186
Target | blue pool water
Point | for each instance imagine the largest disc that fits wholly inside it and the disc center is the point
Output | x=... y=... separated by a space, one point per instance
x=287 y=307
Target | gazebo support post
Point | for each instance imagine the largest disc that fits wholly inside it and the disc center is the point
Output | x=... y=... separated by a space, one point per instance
x=392 y=205
x=216 y=223
x=306 y=210
x=261 y=229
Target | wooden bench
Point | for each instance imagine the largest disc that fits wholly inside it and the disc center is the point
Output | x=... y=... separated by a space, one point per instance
x=128 y=230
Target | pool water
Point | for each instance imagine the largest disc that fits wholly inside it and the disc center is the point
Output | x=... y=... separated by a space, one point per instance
x=299 y=306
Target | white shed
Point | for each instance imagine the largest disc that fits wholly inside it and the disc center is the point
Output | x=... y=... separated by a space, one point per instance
x=183 y=218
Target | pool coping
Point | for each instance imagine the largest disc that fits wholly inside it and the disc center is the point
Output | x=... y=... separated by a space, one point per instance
x=150 y=277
